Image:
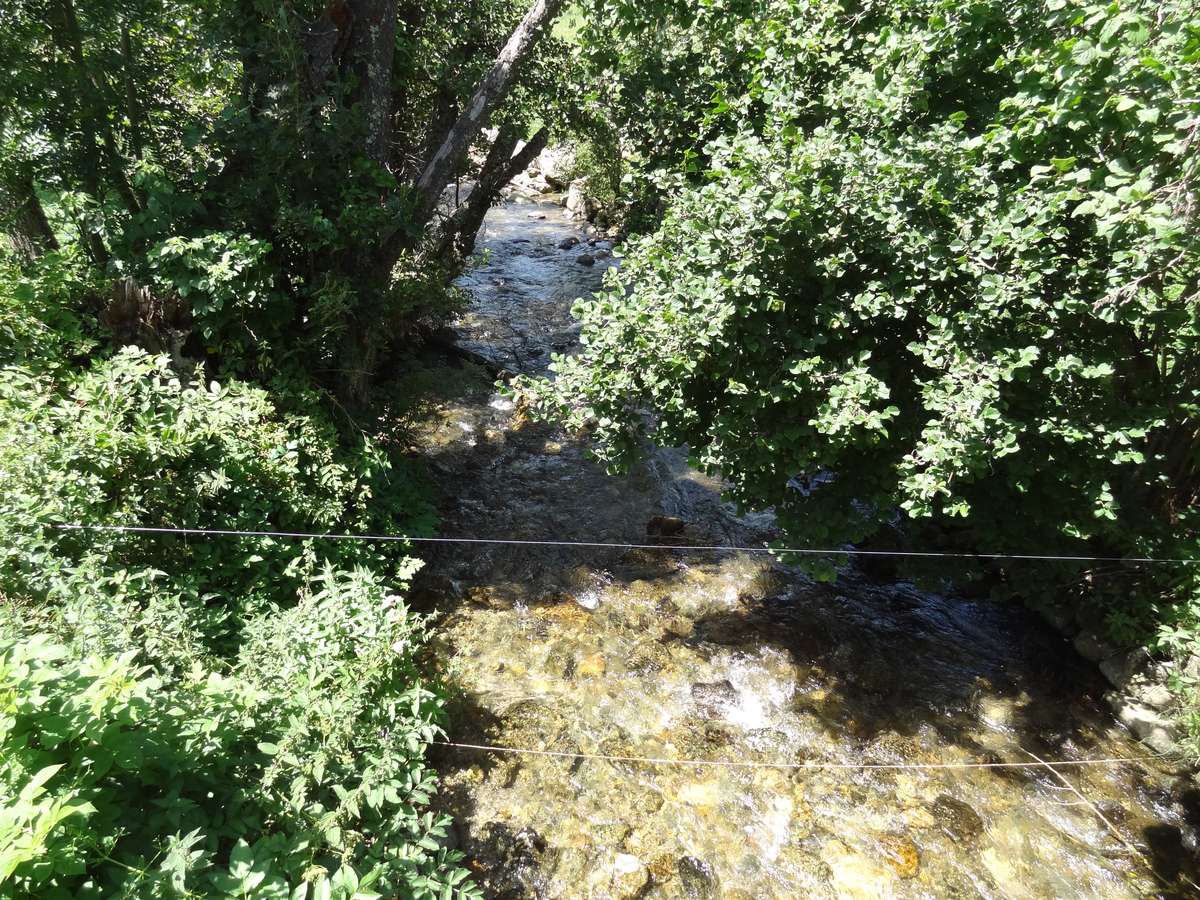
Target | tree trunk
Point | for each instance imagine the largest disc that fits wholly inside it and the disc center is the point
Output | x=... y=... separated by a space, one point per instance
x=361 y=344
x=23 y=219
x=491 y=90
x=372 y=46
x=456 y=235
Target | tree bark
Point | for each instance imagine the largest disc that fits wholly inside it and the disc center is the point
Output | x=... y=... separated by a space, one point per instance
x=23 y=219
x=491 y=90
x=372 y=47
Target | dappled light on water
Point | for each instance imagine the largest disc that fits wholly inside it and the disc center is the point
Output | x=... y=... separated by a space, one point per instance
x=695 y=656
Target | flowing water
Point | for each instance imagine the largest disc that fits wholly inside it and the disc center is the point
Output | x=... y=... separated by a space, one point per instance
x=733 y=657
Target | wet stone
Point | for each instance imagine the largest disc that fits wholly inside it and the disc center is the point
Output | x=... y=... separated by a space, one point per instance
x=902 y=855
x=853 y=874
x=665 y=526
x=662 y=868
x=678 y=626
x=712 y=696
x=483 y=596
x=566 y=613
x=630 y=875
x=590 y=666
x=585 y=259
x=509 y=858
x=697 y=878
x=957 y=819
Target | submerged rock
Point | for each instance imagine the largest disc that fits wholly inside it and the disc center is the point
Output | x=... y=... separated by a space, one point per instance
x=957 y=819
x=712 y=696
x=568 y=243
x=855 y=875
x=585 y=259
x=664 y=526
x=591 y=665
x=679 y=627
x=901 y=855
x=697 y=878
x=629 y=876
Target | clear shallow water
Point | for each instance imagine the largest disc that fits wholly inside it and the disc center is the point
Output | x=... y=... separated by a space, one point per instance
x=734 y=657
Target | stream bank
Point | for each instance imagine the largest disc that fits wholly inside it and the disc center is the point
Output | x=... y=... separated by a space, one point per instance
x=735 y=657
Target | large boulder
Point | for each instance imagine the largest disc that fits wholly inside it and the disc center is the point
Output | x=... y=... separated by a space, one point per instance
x=1152 y=728
x=576 y=202
x=554 y=164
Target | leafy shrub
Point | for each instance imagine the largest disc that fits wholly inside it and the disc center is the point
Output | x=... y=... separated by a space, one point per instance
x=129 y=443
x=42 y=320
x=295 y=772
x=226 y=280
x=232 y=715
x=942 y=259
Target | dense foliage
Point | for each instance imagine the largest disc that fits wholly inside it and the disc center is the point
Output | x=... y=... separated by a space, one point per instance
x=254 y=166
x=224 y=225
x=920 y=272
x=188 y=717
x=937 y=260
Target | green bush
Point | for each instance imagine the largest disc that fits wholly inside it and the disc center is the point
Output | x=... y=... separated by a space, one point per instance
x=204 y=716
x=941 y=262
x=129 y=443
x=296 y=771
x=42 y=322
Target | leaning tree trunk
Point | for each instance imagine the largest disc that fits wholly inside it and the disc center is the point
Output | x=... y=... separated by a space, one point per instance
x=491 y=90
x=362 y=343
x=23 y=219
x=454 y=238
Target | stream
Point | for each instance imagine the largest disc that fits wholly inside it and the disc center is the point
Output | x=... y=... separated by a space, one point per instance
x=735 y=657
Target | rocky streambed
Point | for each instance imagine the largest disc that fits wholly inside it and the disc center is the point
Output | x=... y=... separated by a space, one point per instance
x=710 y=657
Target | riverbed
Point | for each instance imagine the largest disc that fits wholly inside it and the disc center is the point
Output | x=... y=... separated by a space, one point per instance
x=707 y=658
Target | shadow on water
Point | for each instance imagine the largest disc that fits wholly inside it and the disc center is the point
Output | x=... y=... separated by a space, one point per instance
x=735 y=657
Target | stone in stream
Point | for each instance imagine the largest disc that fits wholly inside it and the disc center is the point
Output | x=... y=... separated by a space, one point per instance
x=712 y=696
x=664 y=526
x=511 y=856
x=679 y=627
x=568 y=243
x=853 y=874
x=585 y=259
x=698 y=879
x=629 y=876
x=1153 y=729
x=960 y=822
x=590 y=665
x=901 y=855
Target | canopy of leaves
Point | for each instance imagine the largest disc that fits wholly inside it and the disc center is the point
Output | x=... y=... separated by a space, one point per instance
x=226 y=155
x=941 y=258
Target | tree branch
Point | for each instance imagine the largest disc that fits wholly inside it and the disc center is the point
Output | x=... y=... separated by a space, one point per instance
x=491 y=90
